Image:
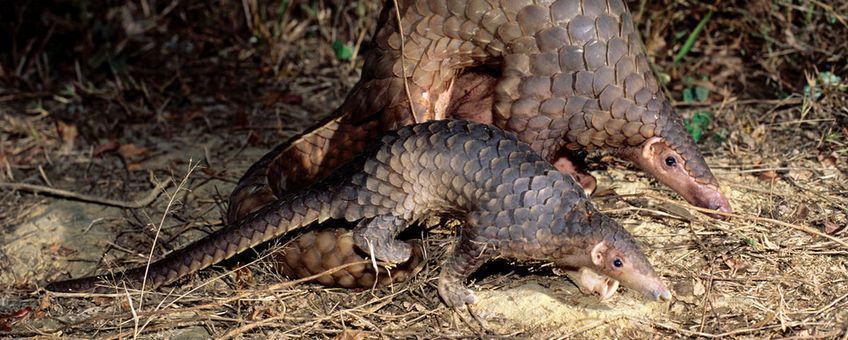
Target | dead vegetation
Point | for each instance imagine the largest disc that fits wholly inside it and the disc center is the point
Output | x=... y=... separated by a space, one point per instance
x=111 y=100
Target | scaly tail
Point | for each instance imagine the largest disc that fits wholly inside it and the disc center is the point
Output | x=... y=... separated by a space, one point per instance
x=273 y=220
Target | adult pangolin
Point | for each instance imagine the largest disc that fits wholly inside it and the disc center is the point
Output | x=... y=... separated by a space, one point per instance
x=514 y=204
x=568 y=75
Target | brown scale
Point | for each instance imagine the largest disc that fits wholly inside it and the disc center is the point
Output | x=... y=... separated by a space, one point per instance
x=319 y=253
x=573 y=76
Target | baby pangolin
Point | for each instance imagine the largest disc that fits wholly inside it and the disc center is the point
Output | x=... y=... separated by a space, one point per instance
x=514 y=204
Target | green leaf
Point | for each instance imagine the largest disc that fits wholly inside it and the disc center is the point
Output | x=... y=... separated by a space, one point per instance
x=720 y=135
x=690 y=41
x=692 y=94
x=702 y=93
x=69 y=91
x=343 y=51
x=698 y=125
x=688 y=97
x=751 y=242
x=825 y=80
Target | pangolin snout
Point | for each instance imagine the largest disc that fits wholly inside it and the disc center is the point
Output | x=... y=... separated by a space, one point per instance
x=721 y=204
x=662 y=294
x=710 y=197
x=659 y=293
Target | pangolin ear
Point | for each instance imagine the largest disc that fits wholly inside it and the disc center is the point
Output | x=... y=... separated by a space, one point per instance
x=598 y=253
x=649 y=147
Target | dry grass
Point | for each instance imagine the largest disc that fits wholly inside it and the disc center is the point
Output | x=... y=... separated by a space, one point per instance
x=95 y=101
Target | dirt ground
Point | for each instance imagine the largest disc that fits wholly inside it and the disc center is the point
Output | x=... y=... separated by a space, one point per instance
x=107 y=101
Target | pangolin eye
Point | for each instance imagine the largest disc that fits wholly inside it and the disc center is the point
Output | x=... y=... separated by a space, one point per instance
x=617 y=263
x=670 y=161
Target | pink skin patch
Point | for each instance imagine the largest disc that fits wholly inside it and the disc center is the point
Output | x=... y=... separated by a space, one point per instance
x=472 y=98
x=467 y=97
x=592 y=283
x=587 y=181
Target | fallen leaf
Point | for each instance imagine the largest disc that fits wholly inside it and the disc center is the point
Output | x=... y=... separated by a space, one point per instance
x=801 y=212
x=270 y=98
x=698 y=289
x=607 y=159
x=60 y=250
x=827 y=160
x=735 y=264
x=109 y=146
x=801 y=175
x=68 y=135
x=244 y=275
x=831 y=228
x=185 y=115
x=260 y=313
x=134 y=166
x=131 y=150
x=191 y=115
x=6 y=320
x=43 y=303
x=768 y=175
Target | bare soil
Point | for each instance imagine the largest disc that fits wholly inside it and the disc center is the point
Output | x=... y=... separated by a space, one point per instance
x=110 y=99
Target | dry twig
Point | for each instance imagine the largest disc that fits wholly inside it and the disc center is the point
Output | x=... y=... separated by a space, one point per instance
x=39 y=189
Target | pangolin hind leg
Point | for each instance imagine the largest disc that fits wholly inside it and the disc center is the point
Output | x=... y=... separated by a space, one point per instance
x=377 y=237
x=465 y=258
